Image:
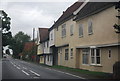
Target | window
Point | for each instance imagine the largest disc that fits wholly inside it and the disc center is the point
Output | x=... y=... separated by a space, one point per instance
x=63 y=30
x=66 y=54
x=90 y=28
x=48 y=57
x=80 y=30
x=71 y=30
x=85 y=56
x=92 y=56
x=71 y=53
x=95 y=56
x=47 y=44
x=44 y=45
x=51 y=36
x=109 y=53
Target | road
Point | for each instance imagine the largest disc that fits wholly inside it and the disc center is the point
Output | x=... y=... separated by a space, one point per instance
x=17 y=69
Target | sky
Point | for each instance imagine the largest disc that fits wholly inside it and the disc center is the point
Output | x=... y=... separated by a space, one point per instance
x=28 y=15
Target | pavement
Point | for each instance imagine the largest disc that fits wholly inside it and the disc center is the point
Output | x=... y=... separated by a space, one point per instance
x=17 y=69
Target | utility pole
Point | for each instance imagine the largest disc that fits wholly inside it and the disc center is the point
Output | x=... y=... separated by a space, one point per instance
x=33 y=44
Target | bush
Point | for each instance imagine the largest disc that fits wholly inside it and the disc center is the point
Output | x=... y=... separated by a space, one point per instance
x=116 y=70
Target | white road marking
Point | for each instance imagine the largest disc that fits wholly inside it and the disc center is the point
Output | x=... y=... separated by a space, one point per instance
x=70 y=74
x=17 y=67
x=25 y=72
x=34 y=72
x=14 y=65
x=24 y=68
x=74 y=75
x=48 y=68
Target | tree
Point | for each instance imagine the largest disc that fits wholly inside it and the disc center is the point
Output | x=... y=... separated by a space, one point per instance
x=116 y=26
x=18 y=42
x=6 y=33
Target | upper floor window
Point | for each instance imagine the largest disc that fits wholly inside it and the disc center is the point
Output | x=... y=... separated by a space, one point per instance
x=80 y=30
x=90 y=27
x=71 y=30
x=63 y=30
x=51 y=36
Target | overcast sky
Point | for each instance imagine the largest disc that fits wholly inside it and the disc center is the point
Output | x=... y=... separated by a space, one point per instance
x=28 y=15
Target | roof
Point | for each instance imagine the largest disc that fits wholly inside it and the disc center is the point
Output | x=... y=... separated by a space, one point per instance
x=28 y=46
x=92 y=8
x=68 y=14
x=44 y=34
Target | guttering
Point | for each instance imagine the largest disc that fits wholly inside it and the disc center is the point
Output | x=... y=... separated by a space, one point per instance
x=63 y=45
x=98 y=46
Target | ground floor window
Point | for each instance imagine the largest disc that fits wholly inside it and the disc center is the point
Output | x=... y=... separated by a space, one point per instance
x=95 y=56
x=48 y=57
x=66 y=54
x=85 y=56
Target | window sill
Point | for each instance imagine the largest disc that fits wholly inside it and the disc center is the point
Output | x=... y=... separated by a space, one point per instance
x=80 y=36
x=71 y=34
x=63 y=36
x=90 y=33
x=98 y=65
x=86 y=64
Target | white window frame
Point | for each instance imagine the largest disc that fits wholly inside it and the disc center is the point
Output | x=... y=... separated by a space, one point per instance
x=63 y=33
x=90 y=27
x=95 y=57
x=80 y=30
x=71 y=30
x=71 y=53
x=67 y=54
x=85 y=53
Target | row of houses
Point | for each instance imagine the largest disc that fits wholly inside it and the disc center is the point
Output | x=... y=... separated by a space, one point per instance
x=83 y=37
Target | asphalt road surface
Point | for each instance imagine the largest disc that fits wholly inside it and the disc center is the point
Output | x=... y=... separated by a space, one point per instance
x=17 y=69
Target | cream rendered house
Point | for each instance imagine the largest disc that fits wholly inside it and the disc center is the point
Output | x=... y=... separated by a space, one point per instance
x=96 y=40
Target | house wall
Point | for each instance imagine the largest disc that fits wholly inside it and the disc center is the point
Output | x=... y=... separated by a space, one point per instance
x=42 y=59
x=103 y=31
x=49 y=60
x=40 y=49
x=46 y=48
x=68 y=39
x=106 y=62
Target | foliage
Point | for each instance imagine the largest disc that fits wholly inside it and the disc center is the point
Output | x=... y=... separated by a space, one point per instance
x=6 y=33
x=116 y=26
x=18 y=42
x=30 y=53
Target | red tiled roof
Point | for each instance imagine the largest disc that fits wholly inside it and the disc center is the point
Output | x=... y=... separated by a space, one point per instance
x=68 y=14
x=28 y=46
x=44 y=34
